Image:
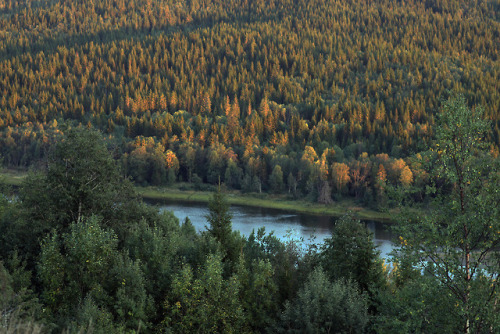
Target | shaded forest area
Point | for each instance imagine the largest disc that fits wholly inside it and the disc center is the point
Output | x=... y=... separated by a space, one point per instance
x=80 y=253
x=312 y=98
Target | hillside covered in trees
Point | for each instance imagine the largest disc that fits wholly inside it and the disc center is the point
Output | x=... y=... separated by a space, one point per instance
x=313 y=98
x=381 y=101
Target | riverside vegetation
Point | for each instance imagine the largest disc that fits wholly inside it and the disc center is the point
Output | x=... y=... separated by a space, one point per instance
x=375 y=103
x=80 y=252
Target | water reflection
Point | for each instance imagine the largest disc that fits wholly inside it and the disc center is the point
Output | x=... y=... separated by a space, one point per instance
x=295 y=225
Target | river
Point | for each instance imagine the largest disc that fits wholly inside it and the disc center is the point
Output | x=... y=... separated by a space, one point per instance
x=291 y=224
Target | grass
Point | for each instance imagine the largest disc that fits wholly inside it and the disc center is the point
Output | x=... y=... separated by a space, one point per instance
x=13 y=324
x=280 y=202
x=12 y=177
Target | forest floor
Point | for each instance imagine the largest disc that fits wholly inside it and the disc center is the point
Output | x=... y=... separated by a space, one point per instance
x=179 y=192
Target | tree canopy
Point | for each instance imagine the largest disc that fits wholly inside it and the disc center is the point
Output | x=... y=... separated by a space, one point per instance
x=232 y=89
x=457 y=241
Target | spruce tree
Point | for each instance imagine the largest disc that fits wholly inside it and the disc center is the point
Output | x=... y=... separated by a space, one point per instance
x=219 y=218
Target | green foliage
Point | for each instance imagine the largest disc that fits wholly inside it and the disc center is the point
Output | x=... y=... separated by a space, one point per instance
x=325 y=307
x=4 y=202
x=76 y=264
x=233 y=175
x=258 y=293
x=82 y=179
x=19 y=305
x=457 y=241
x=85 y=263
x=6 y=291
x=90 y=250
x=193 y=247
x=131 y=303
x=83 y=174
x=459 y=139
x=91 y=318
x=52 y=273
x=18 y=325
x=219 y=218
x=284 y=256
x=207 y=304
x=414 y=308
x=276 y=179
x=12 y=236
x=157 y=248
x=220 y=229
x=350 y=254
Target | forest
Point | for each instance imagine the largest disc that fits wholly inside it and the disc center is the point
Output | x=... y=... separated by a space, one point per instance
x=313 y=99
x=81 y=253
x=392 y=104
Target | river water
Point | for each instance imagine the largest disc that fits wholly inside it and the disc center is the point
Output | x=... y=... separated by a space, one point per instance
x=284 y=224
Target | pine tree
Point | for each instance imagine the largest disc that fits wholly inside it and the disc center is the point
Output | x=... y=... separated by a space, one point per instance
x=219 y=218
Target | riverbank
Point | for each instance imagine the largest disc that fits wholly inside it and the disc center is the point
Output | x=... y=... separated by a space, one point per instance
x=280 y=202
x=12 y=177
x=268 y=201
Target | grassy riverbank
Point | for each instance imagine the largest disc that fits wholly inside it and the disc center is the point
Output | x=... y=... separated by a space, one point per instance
x=12 y=177
x=281 y=202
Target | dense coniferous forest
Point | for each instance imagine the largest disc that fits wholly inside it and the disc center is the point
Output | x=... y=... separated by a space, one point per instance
x=312 y=98
x=386 y=102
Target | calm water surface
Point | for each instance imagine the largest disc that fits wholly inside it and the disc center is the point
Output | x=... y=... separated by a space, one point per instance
x=297 y=225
